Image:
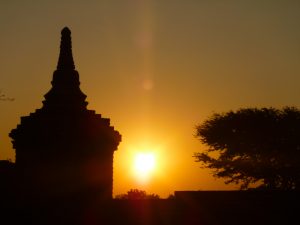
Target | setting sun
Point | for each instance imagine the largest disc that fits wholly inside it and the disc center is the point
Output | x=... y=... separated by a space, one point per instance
x=144 y=164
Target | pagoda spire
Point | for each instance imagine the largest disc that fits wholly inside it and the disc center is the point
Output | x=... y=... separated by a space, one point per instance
x=65 y=60
x=65 y=93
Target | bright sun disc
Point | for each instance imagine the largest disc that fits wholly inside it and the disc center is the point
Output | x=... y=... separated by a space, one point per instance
x=144 y=164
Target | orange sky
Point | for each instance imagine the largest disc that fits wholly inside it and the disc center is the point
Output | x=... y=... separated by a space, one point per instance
x=156 y=69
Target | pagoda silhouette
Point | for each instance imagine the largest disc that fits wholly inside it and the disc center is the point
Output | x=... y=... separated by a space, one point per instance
x=64 y=149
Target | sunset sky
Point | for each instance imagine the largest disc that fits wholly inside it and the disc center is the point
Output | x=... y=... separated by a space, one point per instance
x=156 y=68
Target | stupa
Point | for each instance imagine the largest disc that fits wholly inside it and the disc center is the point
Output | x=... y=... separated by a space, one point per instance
x=64 y=149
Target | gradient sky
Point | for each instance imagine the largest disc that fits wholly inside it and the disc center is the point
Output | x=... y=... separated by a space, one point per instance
x=156 y=68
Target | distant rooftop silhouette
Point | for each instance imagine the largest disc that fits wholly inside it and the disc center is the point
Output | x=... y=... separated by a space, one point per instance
x=64 y=148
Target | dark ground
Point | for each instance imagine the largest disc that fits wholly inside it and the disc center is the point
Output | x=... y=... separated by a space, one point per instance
x=203 y=208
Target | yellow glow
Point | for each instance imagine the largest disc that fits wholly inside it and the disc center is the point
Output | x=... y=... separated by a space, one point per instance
x=144 y=163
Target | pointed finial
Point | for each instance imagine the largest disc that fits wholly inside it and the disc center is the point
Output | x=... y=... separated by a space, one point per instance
x=65 y=60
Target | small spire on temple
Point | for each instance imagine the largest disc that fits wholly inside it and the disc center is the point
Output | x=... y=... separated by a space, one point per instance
x=65 y=60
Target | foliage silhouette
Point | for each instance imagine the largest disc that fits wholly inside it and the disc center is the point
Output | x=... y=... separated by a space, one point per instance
x=135 y=194
x=253 y=146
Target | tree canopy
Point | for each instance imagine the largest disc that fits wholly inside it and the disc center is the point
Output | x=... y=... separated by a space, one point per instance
x=135 y=194
x=253 y=146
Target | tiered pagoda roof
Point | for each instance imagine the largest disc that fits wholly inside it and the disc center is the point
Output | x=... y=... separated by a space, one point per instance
x=60 y=142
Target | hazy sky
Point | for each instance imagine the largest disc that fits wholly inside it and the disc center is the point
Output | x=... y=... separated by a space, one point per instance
x=156 y=68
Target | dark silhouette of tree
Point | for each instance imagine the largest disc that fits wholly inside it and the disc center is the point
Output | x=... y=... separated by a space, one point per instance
x=171 y=197
x=253 y=146
x=135 y=194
